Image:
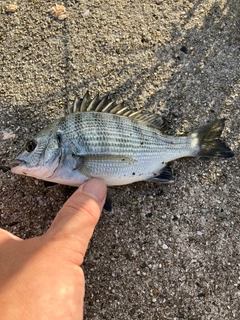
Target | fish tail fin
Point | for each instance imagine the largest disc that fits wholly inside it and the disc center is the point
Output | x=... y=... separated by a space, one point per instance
x=209 y=142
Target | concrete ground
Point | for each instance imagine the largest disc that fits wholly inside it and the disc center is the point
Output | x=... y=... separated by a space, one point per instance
x=164 y=252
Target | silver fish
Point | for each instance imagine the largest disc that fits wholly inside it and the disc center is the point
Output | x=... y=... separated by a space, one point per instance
x=100 y=138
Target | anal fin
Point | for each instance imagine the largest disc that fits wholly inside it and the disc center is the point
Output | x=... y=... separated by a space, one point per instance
x=165 y=176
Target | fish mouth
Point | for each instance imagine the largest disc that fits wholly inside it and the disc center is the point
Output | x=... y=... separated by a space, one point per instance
x=16 y=163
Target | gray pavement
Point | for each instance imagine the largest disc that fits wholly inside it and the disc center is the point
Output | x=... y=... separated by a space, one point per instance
x=164 y=252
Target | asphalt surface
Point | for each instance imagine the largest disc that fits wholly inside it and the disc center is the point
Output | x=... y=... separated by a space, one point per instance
x=163 y=252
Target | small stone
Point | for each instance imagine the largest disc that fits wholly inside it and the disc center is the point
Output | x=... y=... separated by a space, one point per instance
x=184 y=49
x=155 y=291
x=11 y=8
x=58 y=12
x=143 y=265
x=86 y=13
x=149 y=215
x=164 y=246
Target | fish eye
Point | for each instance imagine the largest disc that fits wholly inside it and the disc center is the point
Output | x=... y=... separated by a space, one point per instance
x=31 y=145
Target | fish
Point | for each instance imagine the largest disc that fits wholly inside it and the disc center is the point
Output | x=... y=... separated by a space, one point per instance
x=105 y=139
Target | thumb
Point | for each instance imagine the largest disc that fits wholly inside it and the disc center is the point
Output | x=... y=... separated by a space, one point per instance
x=75 y=222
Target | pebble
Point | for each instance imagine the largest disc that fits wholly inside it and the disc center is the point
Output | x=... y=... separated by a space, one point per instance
x=86 y=13
x=11 y=8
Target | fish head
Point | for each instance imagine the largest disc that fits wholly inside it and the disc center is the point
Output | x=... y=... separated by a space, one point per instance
x=40 y=157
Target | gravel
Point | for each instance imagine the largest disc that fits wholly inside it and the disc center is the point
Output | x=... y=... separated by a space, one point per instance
x=163 y=252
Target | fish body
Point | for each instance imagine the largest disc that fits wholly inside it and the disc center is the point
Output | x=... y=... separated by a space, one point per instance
x=100 y=138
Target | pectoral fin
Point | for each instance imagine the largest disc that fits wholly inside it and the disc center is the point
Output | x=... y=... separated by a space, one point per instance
x=101 y=165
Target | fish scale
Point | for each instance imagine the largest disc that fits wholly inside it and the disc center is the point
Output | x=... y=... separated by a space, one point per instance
x=132 y=137
x=100 y=138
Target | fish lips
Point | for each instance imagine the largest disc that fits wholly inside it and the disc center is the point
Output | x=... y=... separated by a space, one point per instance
x=15 y=164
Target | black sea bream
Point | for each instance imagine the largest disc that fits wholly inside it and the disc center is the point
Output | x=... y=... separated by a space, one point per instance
x=100 y=138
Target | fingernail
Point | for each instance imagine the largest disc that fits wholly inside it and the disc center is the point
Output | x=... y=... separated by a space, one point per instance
x=95 y=188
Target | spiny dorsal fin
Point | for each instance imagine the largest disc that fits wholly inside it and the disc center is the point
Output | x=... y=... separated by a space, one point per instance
x=107 y=105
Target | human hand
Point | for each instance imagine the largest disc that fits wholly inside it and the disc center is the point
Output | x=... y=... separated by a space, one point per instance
x=40 y=278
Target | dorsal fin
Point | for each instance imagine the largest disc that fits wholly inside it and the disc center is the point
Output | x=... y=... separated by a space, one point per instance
x=107 y=105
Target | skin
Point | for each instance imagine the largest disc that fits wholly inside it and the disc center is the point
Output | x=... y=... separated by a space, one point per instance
x=40 y=278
